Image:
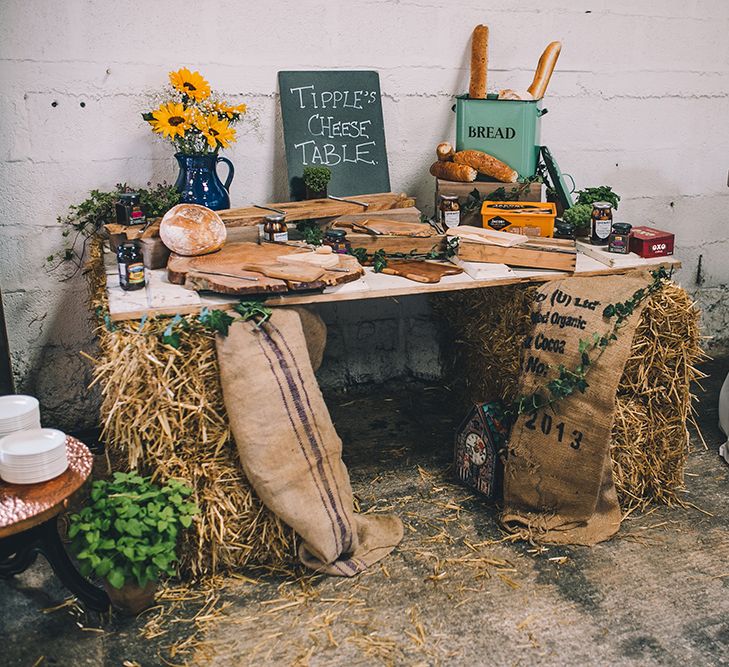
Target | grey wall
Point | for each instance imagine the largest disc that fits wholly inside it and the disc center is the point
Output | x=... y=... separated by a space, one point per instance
x=639 y=101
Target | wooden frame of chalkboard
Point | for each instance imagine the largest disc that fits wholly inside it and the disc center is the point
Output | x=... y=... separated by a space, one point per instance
x=334 y=119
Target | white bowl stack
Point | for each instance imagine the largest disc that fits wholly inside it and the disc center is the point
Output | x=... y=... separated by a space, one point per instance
x=28 y=453
x=18 y=413
x=32 y=456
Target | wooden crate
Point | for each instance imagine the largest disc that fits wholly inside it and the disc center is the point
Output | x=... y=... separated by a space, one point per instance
x=558 y=254
x=530 y=192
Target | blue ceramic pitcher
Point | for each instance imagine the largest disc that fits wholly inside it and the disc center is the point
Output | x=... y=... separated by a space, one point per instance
x=198 y=180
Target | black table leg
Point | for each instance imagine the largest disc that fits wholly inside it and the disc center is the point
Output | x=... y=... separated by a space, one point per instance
x=18 y=552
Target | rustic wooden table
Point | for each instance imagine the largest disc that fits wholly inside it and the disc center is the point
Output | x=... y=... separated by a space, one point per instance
x=161 y=297
x=28 y=525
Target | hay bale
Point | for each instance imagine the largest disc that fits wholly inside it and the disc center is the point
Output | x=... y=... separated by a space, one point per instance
x=484 y=329
x=162 y=411
x=650 y=440
x=654 y=402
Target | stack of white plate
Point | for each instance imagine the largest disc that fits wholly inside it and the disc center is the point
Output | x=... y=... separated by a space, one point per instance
x=18 y=413
x=32 y=456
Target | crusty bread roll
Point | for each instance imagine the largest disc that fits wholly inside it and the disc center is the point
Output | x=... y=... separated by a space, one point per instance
x=191 y=230
x=486 y=164
x=545 y=67
x=444 y=152
x=450 y=171
x=479 y=62
x=510 y=94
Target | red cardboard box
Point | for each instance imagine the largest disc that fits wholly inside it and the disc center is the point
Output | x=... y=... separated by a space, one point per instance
x=650 y=242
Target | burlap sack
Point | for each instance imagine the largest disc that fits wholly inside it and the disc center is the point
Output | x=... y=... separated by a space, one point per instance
x=289 y=448
x=558 y=484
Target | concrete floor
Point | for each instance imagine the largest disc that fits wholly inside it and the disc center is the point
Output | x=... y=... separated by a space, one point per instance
x=453 y=593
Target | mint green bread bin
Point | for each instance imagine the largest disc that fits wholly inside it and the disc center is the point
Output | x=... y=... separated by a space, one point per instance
x=507 y=129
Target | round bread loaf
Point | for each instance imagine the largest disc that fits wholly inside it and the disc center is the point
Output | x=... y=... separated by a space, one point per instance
x=191 y=230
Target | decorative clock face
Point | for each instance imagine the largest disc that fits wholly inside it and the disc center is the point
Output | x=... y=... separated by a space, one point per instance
x=476 y=449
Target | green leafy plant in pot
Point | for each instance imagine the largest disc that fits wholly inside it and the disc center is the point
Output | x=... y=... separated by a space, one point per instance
x=316 y=180
x=128 y=534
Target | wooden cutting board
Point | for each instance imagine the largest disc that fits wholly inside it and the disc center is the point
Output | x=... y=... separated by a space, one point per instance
x=225 y=270
x=420 y=271
x=406 y=214
x=383 y=225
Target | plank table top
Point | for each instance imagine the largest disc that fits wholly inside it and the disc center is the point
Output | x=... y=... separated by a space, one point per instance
x=160 y=297
x=23 y=506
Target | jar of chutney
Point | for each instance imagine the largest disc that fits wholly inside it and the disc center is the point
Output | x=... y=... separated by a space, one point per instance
x=601 y=222
x=619 y=241
x=337 y=240
x=275 y=229
x=131 y=266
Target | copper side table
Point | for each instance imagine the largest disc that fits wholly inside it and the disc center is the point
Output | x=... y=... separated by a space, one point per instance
x=28 y=526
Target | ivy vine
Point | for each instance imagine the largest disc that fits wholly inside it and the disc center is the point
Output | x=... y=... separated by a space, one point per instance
x=379 y=258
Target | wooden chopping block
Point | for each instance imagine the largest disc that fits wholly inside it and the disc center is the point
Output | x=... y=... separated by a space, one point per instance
x=420 y=271
x=258 y=261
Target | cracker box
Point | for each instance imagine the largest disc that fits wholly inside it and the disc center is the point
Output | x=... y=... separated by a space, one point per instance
x=520 y=217
x=651 y=242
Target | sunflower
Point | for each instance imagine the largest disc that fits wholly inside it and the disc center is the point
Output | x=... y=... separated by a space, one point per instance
x=190 y=83
x=216 y=131
x=229 y=110
x=171 y=120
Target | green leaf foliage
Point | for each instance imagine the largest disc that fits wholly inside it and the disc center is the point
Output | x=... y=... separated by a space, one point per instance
x=128 y=532
x=87 y=218
x=589 y=196
x=317 y=178
x=216 y=320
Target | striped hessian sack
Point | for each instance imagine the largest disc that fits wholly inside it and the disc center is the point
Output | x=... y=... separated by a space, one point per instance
x=289 y=448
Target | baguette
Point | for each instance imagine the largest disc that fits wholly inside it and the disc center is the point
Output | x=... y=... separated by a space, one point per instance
x=545 y=67
x=486 y=164
x=510 y=94
x=444 y=152
x=479 y=62
x=450 y=171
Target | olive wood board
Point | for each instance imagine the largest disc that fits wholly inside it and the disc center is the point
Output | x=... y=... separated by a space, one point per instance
x=420 y=271
x=405 y=214
x=215 y=272
x=404 y=244
x=295 y=210
x=384 y=225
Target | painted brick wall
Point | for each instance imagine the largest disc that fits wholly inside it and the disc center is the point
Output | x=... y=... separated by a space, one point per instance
x=639 y=101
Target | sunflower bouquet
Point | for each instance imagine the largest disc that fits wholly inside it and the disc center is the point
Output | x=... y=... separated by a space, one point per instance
x=196 y=120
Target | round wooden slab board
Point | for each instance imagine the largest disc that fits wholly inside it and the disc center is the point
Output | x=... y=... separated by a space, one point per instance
x=233 y=256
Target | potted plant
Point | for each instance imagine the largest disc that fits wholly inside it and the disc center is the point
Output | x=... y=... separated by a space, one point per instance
x=199 y=124
x=316 y=180
x=128 y=533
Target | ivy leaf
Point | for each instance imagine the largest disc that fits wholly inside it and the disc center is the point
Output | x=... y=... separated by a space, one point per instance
x=116 y=578
x=216 y=320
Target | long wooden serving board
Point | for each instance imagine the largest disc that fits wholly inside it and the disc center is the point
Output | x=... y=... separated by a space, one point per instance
x=226 y=271
x=295 y=210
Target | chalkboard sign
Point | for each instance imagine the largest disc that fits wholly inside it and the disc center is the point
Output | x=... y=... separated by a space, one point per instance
x=334 y=119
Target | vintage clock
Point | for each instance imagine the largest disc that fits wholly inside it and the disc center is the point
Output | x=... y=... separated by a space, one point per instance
x=480 y=448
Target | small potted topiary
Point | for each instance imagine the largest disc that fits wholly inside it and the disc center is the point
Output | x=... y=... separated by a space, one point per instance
x=316 y=180
x=128 y=534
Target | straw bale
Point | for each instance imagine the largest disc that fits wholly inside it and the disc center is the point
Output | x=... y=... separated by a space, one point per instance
x=484 y=330
x=162 y=412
